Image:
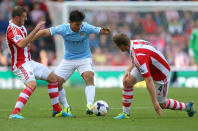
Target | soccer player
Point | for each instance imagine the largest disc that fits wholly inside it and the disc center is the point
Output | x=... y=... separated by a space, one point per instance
x=193 y=49
x=150 y=65
x=77 y=54
x=25 y=68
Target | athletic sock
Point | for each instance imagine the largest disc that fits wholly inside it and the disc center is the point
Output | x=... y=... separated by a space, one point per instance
x=90 y=94
x=175 y=105
x=126 y=99
x=62 y=98
x=54 y=95
x=22 y=100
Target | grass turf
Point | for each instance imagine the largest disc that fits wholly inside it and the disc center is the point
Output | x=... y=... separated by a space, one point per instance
x=37 y=112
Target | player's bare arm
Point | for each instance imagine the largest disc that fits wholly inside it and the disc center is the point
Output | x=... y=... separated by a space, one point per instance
x=152 y=92
x=23 y=43
x=41 y=33
x=130 y=67
x=105 y=31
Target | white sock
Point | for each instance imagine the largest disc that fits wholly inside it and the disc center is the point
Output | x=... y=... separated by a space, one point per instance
x=90 y=94
x=62 y=98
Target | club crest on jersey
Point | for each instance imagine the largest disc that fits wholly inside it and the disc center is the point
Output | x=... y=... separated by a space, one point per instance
x=82 y=34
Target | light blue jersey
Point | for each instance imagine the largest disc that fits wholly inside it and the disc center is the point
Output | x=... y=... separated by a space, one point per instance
x=76 y=43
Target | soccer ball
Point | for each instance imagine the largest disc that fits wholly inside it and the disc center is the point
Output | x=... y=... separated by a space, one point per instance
x=100 y=108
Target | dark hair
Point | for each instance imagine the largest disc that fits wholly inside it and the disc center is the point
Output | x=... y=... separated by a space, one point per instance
x=17 y=11
x=121 y=39
x=76 y=16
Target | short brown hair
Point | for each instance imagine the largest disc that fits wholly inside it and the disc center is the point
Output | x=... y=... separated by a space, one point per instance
x=17 y=11
x=121 y=39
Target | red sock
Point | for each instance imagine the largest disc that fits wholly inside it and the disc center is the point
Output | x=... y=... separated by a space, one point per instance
x=22 y=100
x=126 y=99
x=175 y=105
x=54 y=95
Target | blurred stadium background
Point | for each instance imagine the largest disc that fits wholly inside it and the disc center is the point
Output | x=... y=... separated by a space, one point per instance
x=168 y=25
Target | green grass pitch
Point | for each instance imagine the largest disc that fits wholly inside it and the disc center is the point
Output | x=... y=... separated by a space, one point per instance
x=37 y=112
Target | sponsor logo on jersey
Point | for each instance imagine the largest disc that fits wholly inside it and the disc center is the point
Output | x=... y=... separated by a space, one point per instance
x=143 y=69
x=17 y=38
x=75 y=42
x=82 y=34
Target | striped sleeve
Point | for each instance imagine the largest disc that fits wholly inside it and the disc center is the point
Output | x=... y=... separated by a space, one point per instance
x=144 y=66
x=14 y=35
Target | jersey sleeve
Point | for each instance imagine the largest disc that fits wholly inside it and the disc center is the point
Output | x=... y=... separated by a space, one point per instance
x=144 y=66
x=14 y=36
x=57 y=30
x=93 y=29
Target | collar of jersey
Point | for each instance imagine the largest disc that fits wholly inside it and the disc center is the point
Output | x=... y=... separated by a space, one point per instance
x=10 y=22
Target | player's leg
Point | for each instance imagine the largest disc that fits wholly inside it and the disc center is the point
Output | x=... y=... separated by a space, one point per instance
x=165 y=103
x=64 y=70
x=62 y=93
x=42 y=72
x=86 y=71
x=54 y=96
x=177 y=105
x=88 y=77
x=62 y=97
x=25 y=73
x=127 y=96
x=53 y=93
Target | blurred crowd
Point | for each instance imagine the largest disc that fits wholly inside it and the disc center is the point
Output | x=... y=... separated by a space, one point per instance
x=42 y=50
x=168 y=31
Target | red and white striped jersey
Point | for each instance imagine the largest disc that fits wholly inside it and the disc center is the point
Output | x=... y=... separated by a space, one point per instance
x=14 y=35
x=149 y=61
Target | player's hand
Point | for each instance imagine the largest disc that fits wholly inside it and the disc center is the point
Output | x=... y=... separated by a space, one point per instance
x=105 y=31
x=40 y=25
x=158 y=109
x=127 y=74
x=29 y=45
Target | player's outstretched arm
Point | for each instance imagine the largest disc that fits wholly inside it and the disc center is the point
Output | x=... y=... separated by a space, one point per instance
x=105 y=31
x=41 y=33
x=152 y=92
x=24 y=42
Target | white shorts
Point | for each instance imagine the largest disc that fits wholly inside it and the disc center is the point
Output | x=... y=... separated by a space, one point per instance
x=161 y=89
x=30 y=70
x=66 y=68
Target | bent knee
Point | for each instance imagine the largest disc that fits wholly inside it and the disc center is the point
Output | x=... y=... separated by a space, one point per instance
x=32 y=85
x=60 y=83
x=127 y=83
x=52 y=77
x=89 y=77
